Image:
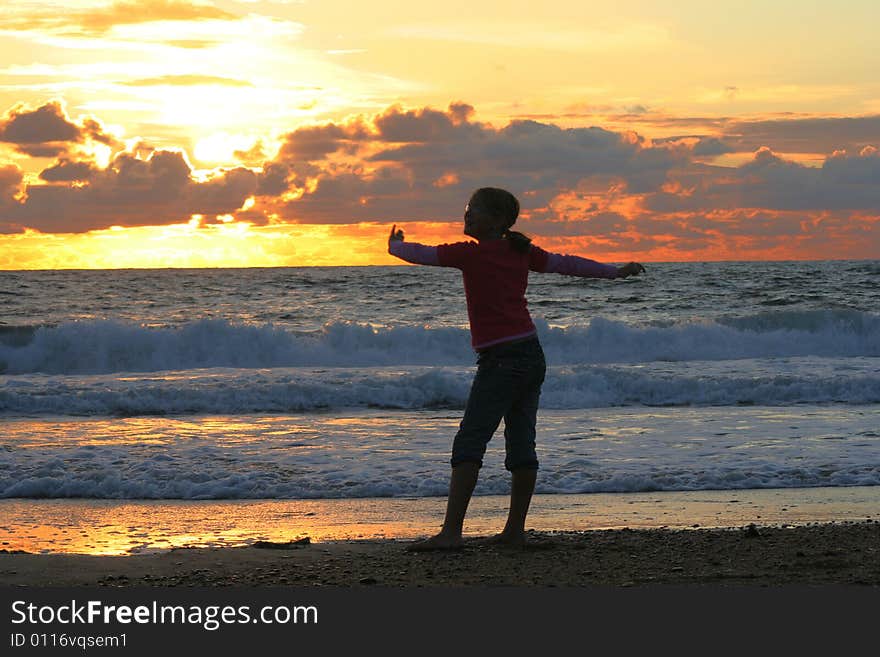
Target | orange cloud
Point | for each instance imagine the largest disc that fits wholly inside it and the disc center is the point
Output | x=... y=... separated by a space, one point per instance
x=605 y=194
x=424 y=163
x=96 y=21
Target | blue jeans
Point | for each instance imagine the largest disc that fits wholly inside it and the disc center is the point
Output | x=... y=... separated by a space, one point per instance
x=507 y=385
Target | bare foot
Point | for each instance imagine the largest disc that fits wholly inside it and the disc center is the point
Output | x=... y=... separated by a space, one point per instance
x=506 y=539
x=439 y=542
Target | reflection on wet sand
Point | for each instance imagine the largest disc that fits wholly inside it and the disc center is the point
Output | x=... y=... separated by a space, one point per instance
x=133 y=527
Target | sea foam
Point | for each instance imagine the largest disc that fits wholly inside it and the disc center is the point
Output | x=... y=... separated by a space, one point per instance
x=284 y=390
x=94 y=347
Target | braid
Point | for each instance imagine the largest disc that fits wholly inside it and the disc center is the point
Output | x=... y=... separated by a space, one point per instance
x=519 y=242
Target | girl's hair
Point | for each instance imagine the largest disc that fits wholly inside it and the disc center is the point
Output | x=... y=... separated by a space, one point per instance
x=503 y=205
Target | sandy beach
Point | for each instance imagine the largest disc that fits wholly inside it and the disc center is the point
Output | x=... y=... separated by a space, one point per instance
x=815 y=554
x=749 y=537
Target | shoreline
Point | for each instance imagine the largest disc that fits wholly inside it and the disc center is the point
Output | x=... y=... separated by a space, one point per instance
x=815 y=554
x=131 y=527
x=764 y=537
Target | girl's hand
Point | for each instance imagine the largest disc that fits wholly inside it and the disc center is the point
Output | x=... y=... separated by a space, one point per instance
x=396 y=235
x=630 y=269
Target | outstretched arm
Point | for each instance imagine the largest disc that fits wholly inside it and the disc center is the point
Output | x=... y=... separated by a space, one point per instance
x=418 y=254
x=571 y=265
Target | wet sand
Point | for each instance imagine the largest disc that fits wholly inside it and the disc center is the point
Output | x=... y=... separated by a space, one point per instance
x=846 y=553
x=108 y=527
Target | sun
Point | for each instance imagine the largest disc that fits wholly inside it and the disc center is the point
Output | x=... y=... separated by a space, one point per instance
x=220 y=147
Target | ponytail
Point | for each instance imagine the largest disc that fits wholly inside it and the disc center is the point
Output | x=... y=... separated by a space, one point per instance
x=518 y=242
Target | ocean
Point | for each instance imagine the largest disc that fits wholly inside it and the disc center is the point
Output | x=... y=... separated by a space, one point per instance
x=347 y=383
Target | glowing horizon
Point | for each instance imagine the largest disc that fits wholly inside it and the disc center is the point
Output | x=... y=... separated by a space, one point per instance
x=171 y=133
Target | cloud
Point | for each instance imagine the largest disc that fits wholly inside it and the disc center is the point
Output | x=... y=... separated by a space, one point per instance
x=313 y=143
x=47 y=131
x=843 y=182
x=11 y=177
x=426 y=124
x=592 y=189
x=424 y=163
x=782 y=134
x=10 y=180
x=254 y=155
x=272 y=181
x=805 y=135
x=576 y=223
x=68 y=171
x=131 y=191
x=187 y=81
x=97 y=21
x=45 y=124
x=145 y=25
x=712 y=146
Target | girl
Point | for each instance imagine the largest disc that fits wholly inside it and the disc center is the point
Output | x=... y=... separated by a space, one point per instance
x=510 y=361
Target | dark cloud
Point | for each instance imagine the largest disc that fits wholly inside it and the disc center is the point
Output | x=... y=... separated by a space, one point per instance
x=461 y=112
x=861 y=169
x=697 y=145
x=805 y=135
x=10 y=183
x=313 y=143
x=47 y=131
x=44 y=124
x=788 y=134
x=403 y=156
x=10 y=180
x=272 y=181
x=843 y=182
x=424 y=163
x=68 y=171
x=95 y=131
x=426 y=125
x=351 y=197
x=712 y=146
x=221 y=194
x=131 y=192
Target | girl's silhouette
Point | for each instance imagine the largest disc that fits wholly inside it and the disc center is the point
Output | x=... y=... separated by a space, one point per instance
x=510 y=361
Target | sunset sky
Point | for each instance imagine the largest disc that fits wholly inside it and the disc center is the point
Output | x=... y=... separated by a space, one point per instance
x=170 y=133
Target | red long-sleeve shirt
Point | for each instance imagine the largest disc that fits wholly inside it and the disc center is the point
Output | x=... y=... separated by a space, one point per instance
x=495 y=279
